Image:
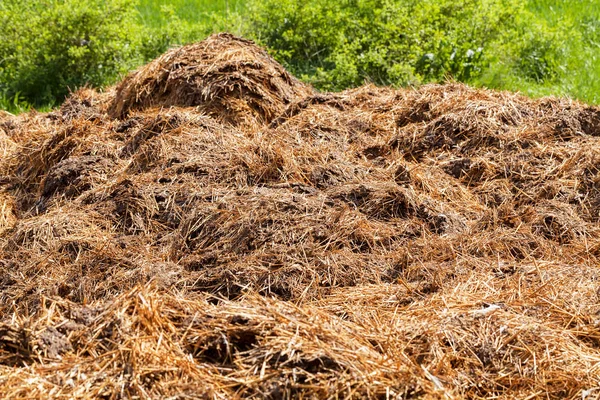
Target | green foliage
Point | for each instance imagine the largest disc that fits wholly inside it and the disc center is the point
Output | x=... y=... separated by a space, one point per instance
x=51 y=46
x=15 y=104
x=555 y=52
x=169 y=28
x=541 y=47
x=193 y=13
x=158 y=40
x=340 y=44
x=538 y=60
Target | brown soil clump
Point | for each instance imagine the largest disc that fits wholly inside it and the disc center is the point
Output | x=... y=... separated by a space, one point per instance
x=211 y=227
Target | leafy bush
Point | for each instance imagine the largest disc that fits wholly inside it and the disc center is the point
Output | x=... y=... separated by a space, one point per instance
x=340 y=44
x=51 y=46
x=539 y=61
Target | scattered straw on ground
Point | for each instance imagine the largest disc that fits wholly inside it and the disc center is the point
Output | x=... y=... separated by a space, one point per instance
x=213 y=228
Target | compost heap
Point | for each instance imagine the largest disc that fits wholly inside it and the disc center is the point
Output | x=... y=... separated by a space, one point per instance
x=212 y=227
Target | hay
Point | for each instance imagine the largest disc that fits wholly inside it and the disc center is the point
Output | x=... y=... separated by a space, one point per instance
x=156 y=241
x=227 y=77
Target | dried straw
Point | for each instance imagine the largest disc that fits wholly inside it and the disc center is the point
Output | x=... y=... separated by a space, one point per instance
x=212 y=228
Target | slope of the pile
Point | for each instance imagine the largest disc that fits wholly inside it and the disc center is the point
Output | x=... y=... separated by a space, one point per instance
x=432 y=243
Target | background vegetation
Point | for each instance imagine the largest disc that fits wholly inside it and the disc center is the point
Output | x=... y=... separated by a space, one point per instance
x=540 y=47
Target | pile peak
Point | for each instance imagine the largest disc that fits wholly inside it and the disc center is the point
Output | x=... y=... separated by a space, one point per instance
x=227 y=77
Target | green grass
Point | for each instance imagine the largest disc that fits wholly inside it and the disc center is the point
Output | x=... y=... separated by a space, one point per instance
x=581 y=18
x=577 y=26
x=155 y=13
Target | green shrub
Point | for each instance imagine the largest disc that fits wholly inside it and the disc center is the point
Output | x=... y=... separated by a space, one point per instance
x=51 y=46
x=340 y=44
x=538 y=60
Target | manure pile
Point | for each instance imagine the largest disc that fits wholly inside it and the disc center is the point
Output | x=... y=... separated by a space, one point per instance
x=211 y=227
